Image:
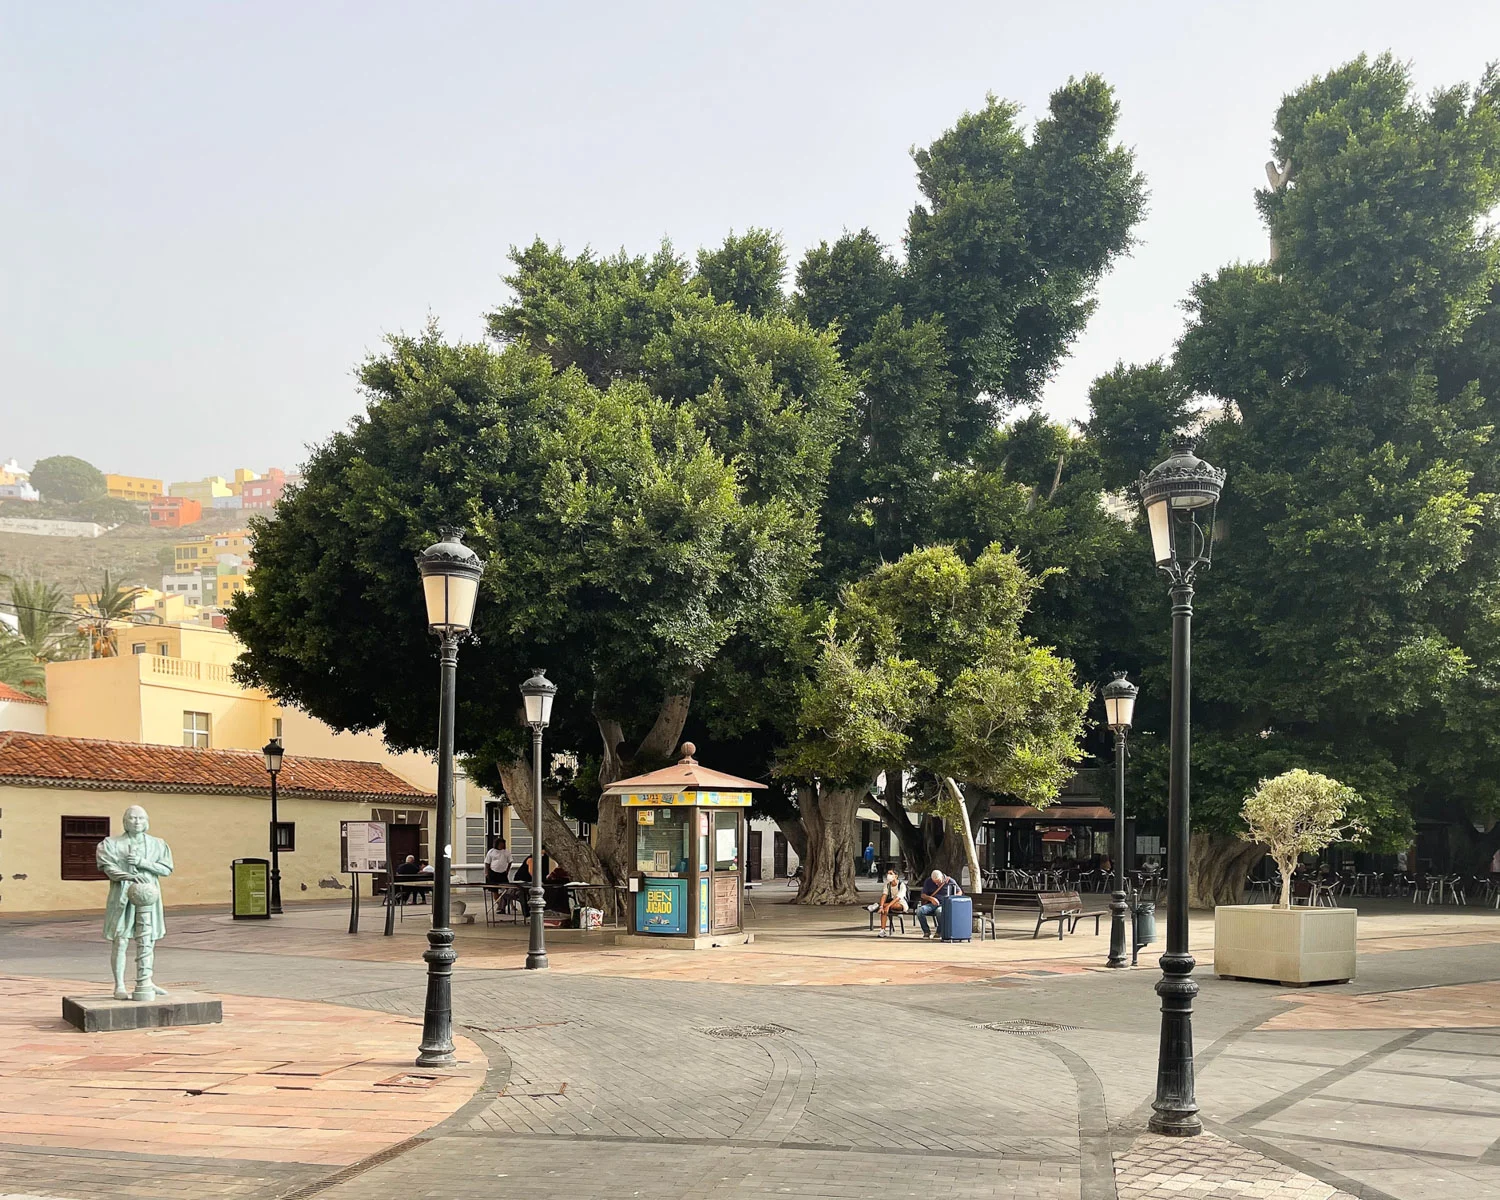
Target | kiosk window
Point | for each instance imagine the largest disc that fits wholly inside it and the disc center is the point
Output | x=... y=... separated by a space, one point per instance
x=661 y=840
x=726 y=841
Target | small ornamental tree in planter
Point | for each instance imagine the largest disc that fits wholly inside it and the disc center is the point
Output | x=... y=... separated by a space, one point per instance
x=1296 y=813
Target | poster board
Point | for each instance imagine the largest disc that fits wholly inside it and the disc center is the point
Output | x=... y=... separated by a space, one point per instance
x=362 y=846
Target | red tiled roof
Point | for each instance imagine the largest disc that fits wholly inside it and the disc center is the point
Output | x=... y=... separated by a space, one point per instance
x=10 y=694
x=39 y=760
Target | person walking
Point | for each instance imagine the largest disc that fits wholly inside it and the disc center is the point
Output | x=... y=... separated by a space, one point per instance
x=870 y=859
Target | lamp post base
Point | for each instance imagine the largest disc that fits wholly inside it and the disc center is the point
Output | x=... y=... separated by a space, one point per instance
x=436 y=1049
x=1119 y=953
x=275 y=893
x=536 y=954
x=1175 y=1110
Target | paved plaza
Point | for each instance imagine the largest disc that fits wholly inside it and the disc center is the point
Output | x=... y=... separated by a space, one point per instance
x=818 y=1061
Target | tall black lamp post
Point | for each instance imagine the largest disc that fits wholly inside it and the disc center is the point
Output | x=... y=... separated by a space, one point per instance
x=450 y=583
x=1119 y=705
x=272 y=753
x=1179 y=495
x=538 y=693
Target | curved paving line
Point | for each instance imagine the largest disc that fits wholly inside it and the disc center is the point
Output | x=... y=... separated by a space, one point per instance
x=496 y=1076
x=788 y=1089
x=1096 y=1159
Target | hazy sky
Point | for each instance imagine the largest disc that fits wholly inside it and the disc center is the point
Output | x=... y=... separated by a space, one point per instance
x=212 y=211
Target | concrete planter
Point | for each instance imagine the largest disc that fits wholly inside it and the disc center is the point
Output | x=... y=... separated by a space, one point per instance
x=1292 y=946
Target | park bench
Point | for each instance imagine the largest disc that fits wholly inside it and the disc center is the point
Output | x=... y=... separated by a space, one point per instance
x=1064 y=908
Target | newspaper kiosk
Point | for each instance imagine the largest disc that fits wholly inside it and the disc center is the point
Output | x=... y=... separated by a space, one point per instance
x=687 y=824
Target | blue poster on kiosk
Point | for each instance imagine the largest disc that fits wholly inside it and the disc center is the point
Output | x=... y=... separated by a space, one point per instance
x=661 y=906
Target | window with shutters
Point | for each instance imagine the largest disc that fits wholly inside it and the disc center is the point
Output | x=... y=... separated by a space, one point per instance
x=80 y=837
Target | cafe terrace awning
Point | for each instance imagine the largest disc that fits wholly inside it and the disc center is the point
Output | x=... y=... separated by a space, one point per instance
x=684 y=783
x=1058 y=814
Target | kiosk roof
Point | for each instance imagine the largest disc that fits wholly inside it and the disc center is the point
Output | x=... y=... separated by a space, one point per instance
x=686 y=775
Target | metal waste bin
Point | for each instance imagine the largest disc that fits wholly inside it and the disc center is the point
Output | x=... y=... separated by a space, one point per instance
x=1145 y=922
x=956 y=919
x=250 y=889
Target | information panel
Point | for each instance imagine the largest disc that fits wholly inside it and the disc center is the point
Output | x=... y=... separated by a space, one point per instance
x=362 y=846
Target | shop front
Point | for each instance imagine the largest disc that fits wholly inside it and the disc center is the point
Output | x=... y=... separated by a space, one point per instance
x=688 y=828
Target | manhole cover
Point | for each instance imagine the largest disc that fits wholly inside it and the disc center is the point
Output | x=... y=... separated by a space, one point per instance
x=746 y=1031
x=1027 y=1027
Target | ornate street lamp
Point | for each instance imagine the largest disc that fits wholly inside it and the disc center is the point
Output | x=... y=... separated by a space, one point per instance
x=538 y=693
x=1179 y=495
x=1119 y=705
x=450 y=584
x=272 y=753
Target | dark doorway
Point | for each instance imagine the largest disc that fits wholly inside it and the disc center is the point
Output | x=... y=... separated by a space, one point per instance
x=778 y=855
x=752 y=857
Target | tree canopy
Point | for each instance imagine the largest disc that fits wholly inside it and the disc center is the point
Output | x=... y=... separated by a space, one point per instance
x=63 y=477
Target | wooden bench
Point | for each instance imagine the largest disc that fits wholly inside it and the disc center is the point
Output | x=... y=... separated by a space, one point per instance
x=1066 y=908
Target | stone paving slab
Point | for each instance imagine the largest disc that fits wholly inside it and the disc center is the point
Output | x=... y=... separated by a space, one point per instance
x=342 y=1087
x=1164 y=1168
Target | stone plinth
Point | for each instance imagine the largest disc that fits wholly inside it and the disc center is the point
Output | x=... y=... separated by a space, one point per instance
x=103 y=1014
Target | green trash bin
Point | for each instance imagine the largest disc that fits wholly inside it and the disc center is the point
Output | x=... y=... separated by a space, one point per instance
x=250 y=890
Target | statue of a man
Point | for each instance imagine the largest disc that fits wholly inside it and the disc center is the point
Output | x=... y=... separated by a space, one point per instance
x=134 y=862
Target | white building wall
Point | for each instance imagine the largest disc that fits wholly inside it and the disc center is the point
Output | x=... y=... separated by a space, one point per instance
x=23 y=716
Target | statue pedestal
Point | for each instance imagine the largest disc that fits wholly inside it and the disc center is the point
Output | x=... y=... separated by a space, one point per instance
x=104 y=1014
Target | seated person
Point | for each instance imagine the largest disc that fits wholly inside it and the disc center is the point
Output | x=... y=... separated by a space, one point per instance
x=426 y=871
x=523 y=872
x=555 y=889
x=937 y=888
x=892 y=899
x=407 y=870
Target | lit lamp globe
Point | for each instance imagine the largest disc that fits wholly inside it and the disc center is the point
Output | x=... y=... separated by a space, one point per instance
x=1179 y=495
x=1119 y=702
x=450 y=582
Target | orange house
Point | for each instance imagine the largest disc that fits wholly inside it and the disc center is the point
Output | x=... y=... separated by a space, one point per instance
x=173 y=512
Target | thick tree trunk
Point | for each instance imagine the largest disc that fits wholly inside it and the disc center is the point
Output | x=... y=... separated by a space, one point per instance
x=796 y=836
x=612 y=831
x=559 y=843
x=921 y=838
x=830 y=865
x=1217 y=864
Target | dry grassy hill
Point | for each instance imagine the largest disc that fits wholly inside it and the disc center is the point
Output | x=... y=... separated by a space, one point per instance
x=132 y=553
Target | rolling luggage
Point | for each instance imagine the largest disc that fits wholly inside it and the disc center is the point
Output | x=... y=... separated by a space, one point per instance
x=956 y=919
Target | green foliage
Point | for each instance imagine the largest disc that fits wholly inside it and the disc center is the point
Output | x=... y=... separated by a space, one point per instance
x=19 y=667
x=746 y=271
x=1350 y=619
x=63 y=477
x=621 y=550
x=44 y=618
x=1133 y=411
x=1014 y=234
x=925 y=664
x=1296 y=813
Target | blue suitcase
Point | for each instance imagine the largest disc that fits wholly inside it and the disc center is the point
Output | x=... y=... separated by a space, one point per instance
x=956 y=919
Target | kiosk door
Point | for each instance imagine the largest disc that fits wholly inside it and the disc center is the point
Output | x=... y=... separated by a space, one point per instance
x=728 y=881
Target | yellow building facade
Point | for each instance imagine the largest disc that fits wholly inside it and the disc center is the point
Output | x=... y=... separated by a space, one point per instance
x=194 y=553
x=202 y=490
x=59 y=795
x=133 y=487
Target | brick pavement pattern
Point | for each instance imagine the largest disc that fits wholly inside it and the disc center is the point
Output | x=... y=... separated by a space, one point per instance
x=1163 y=1168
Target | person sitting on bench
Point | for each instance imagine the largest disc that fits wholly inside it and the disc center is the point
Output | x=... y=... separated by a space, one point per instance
x=892 y=899
x=937 y=888
x=407 y=870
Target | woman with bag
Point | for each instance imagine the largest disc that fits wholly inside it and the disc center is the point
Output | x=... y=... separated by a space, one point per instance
x=892 y=899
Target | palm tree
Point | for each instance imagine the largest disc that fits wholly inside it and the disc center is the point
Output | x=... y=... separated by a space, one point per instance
x=45 y=623
x=112 y=603
x=19 y=667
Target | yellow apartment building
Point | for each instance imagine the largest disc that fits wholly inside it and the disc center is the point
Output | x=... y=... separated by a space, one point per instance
x=133 y=487
x=242 y=476
x=194 y=553
x=202 y=490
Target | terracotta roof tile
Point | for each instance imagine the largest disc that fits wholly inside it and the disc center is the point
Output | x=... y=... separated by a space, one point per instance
x=8 y=693
x=39 y=760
